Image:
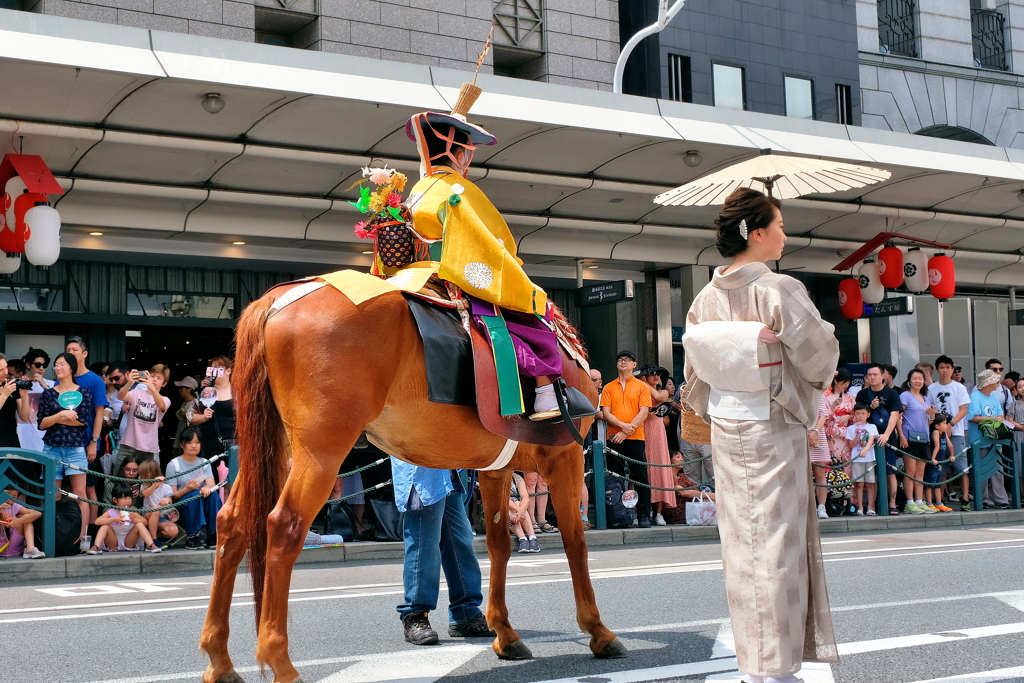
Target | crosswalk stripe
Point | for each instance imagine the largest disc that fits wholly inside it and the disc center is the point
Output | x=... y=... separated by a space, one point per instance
x=981 y=676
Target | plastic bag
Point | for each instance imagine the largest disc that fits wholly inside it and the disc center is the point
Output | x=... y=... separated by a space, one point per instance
x=702 y=512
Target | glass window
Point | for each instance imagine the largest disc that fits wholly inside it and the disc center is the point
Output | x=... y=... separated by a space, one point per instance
x=729 y=87
x=680 y=88
x=181 y=305
x=799 y=98
x=31 y=299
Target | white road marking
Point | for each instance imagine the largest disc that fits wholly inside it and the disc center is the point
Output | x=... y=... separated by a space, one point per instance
x=76 y=591
x=981 y=676
x=725 y=643
x=429 y=665
x=811 y=672
x=855 y=540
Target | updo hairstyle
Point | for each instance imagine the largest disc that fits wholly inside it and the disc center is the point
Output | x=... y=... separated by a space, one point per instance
x=755 y=207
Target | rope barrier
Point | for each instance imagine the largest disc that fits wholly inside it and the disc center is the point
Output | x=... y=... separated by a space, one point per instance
x=205 y=462
x=695 y=487
x=358 y=493
x=141 y=511
x=363 y=468
x=653 y=464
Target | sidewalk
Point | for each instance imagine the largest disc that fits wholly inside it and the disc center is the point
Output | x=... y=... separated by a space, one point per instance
x=177 y=561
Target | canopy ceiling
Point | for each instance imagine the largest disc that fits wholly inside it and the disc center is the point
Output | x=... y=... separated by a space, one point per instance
x=116 y=114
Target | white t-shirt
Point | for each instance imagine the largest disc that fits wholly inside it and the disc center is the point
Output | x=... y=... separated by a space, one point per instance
x=162 y=491
x=949 y=398
x=859 y=434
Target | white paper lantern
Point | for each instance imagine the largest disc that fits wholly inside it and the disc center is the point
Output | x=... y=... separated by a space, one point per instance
x=43 y=246
x=871 y=288
x=9 y=265
x=15 y=186
x=915 y=270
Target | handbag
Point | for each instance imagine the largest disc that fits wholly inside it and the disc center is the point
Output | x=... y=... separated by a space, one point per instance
x=702 y=512
x=917 y=437
x=692 y=428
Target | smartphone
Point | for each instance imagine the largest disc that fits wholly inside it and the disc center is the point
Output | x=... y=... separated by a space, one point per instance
x=214 y=371
x=143 y=375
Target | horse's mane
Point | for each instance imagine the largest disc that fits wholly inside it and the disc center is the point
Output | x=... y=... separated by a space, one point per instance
x=568 y=332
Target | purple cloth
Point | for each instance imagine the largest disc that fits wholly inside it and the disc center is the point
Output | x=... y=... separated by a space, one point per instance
x=535 y=343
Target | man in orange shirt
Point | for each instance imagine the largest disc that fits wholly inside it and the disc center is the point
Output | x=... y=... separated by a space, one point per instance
x=625 y=403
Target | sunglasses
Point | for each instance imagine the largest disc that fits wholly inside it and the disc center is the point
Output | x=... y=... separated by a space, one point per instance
x=38 y=364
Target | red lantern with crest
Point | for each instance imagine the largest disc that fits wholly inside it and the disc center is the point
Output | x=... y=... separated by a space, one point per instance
x=851 y=303
x=941 y=277
x=890 y=266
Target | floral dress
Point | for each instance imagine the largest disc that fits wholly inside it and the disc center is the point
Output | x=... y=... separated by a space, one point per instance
x=835 y=431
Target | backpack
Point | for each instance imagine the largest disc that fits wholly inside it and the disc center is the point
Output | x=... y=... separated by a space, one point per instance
x=993 y=429
x=67 y=527
x=619 y=516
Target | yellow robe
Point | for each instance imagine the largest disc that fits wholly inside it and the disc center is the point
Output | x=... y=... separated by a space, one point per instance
x=478 y=252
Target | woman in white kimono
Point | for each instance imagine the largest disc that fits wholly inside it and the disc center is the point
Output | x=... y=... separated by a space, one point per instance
x=758 y=356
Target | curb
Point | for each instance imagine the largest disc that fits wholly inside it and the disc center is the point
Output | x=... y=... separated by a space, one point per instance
x=201 y=561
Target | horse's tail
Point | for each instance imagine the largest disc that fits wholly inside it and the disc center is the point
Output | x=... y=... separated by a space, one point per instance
x=261 y=441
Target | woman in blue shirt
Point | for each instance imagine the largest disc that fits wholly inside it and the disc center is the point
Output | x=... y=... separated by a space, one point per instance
x=68 y=430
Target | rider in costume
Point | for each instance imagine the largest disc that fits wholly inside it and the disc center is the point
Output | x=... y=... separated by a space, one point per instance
x=475 y=249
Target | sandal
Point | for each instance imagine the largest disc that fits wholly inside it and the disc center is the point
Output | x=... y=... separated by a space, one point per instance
x=547 y=528
x=894 y=511
x=536 y=527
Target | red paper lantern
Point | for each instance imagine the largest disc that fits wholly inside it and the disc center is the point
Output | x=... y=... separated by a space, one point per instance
x=15 y=243
x=851 y=303
x=890 y=266
x=941 y=277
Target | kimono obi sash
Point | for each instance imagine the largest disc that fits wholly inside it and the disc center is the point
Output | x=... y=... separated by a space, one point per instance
x=727 y=356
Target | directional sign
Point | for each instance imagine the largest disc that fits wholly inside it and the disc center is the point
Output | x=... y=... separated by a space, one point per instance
x=606 y=293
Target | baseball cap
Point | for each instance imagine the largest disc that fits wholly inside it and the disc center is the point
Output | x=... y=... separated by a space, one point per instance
x=626 y=352
x=189 y=382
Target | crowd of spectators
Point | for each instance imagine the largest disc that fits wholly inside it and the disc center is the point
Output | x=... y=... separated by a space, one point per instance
x=113 y=419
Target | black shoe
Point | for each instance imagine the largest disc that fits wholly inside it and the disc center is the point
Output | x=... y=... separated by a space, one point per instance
x=471 y=628
x=645 y=522
x=418 y=631
x=193 y=543
x=211 y=542
x=1003 y=506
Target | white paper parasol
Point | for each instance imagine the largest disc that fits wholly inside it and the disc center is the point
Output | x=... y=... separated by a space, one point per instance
x=778 y=176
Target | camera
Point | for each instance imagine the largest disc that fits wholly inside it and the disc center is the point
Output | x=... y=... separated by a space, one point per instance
x=23 y=384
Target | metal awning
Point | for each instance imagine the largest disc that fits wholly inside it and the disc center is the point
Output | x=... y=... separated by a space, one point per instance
x=116 y=114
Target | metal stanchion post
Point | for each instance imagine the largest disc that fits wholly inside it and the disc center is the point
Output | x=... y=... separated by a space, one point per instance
x=232 y=464
x=599 y=495
x=881 y=481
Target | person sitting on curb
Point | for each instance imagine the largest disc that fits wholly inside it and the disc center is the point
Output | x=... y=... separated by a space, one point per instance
x=122 y=530
x=437 y=535
x=519 y=520
x=17 y=534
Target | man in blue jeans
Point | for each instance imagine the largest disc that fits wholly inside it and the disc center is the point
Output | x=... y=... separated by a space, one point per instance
x=437 y=535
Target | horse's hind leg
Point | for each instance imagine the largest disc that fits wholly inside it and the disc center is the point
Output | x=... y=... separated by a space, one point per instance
x=564 y=474
x=308 y=485
x=494 y=490
x=230 y=551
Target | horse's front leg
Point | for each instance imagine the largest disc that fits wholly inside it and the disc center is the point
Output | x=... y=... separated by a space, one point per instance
x=563 y=470
x=230 y=550
x=494 y=490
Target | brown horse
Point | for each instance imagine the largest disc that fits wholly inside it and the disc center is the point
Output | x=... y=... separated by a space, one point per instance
x=307 y=382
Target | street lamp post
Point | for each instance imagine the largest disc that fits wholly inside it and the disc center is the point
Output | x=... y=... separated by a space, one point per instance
x=665 y=16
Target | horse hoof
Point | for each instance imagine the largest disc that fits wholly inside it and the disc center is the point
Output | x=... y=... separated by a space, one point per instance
x=613 y=650
x=230 y=677
x=516 y=650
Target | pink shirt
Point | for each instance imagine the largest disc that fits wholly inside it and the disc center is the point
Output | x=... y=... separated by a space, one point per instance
x=143 y=421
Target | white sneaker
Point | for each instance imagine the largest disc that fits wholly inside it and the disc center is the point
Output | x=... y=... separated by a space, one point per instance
x=659 y=520
x=822 y=514
x=33 y=554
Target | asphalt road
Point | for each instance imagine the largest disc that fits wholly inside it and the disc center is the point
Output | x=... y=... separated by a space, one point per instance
x=915 y=606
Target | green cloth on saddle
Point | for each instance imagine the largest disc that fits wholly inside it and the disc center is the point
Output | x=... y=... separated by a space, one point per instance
x=510 y=392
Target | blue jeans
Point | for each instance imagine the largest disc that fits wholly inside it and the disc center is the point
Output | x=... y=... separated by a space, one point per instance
x=199 y=512
x=439 y=536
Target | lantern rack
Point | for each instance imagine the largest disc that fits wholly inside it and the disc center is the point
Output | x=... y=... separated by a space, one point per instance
x=880 y=239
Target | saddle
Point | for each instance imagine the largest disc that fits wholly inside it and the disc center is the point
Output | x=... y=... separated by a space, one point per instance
x=461 y=370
